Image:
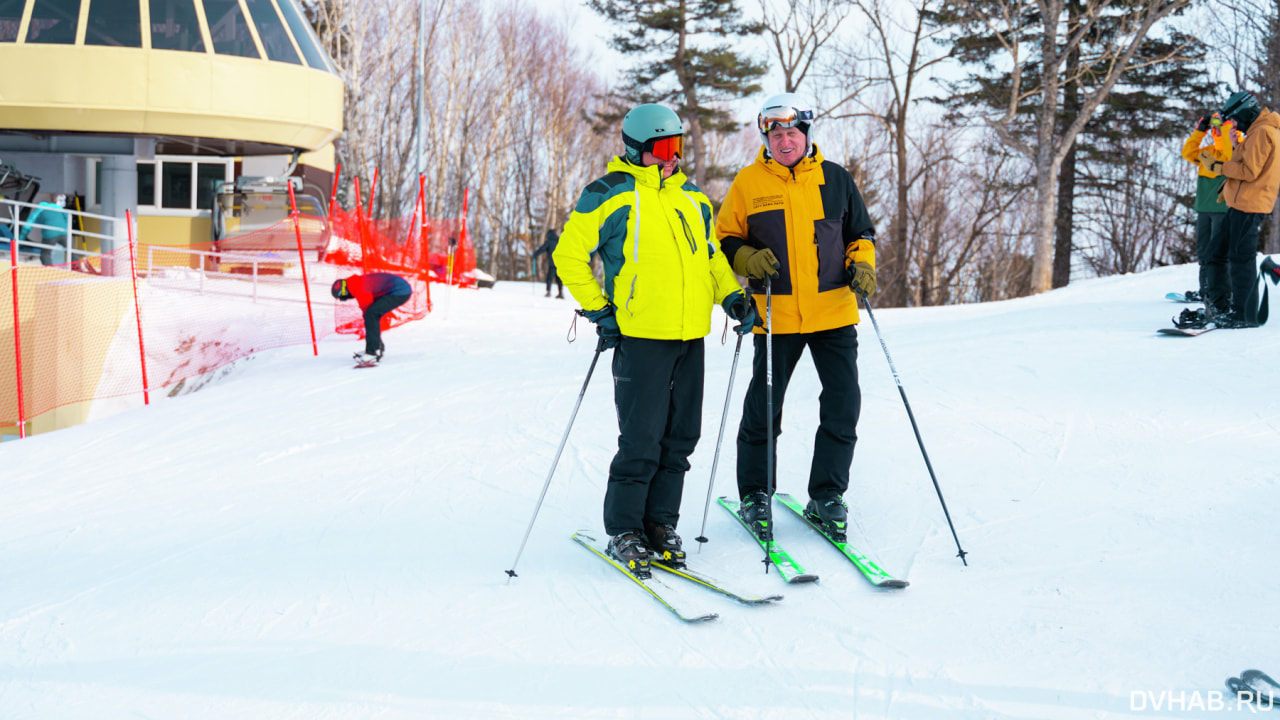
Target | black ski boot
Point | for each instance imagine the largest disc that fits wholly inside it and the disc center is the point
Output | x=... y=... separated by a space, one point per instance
x=758 y=514
x=629 y=549
x=664 y=543
x=831 y=514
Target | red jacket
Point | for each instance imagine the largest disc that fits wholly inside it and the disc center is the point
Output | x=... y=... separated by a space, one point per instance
x=367 y=288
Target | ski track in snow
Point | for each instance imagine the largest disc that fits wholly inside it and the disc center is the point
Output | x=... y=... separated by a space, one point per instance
x=300 y=540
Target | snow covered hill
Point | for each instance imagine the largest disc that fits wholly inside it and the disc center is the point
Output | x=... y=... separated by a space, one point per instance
x=302 y=540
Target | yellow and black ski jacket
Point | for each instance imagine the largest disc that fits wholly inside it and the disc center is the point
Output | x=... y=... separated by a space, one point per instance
x=663 y=268
x=813 y=219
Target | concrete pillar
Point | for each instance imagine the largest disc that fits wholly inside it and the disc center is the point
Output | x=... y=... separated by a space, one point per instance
x=119 y=193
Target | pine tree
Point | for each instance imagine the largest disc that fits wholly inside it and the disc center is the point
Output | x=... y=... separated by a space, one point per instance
x=698 y=79
x=1068 y=58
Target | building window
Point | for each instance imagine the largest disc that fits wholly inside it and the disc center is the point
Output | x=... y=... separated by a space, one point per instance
x=146 y=184
x=175 y=26
x=186 y=185
x=54 y=21
x=229 y=29
x=10 y=19
x=303 y=34
x=114 y=23
x=275 y=39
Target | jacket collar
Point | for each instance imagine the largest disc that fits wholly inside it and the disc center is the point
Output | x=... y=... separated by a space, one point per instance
x=650 y=176
x=807 y=164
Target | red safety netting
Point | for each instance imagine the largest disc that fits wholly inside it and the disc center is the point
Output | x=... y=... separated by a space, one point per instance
x=416 y=248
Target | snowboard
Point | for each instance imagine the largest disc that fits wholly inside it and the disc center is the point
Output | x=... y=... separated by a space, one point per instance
x=1184 y=332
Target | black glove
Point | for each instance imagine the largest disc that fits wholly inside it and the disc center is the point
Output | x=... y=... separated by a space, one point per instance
x=1203 y=125
x=743 y=309
x=606 y=327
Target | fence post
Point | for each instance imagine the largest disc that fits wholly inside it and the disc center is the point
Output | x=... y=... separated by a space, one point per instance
x=137 y=308
x=17 y=335
x=302 y=261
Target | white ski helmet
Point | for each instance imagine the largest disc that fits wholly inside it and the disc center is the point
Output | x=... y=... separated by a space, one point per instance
x=786 y=110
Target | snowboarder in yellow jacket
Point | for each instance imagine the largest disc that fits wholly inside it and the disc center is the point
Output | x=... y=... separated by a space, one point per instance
x=663 y=272
x=799 y=221
x=1209 y=206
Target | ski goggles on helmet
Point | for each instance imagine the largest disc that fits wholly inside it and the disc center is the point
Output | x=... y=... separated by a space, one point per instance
x=666 y=148
x=782 y=117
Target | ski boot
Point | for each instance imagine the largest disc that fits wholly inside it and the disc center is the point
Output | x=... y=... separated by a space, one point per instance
x=758 y=514
x=630 y=550
x=831 y=515
x=664 y=543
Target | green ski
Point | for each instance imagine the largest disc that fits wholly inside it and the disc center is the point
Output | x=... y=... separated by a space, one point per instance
x=872 y=571
x=789 y=569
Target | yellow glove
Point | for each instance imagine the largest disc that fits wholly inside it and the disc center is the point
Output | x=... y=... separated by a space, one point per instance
x=1210 y=163
x=755 y=262
x=863 y=279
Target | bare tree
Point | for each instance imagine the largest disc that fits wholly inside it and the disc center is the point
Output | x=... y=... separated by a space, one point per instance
x=799 y=32
x=1137 y=222
x=1059 y=35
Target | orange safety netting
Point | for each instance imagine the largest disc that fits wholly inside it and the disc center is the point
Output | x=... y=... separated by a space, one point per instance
x=131 y=323
x=75 y=337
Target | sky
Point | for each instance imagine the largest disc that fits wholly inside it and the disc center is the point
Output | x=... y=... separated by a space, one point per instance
x=300 y=539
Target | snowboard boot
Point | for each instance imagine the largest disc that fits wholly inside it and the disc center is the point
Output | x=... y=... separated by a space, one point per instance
x=1193 y=296
x=758 y=514
x=630 y=550
x=831 y=515
x=1191 y=319
x=365 y=359
x=664 y=543
x=1231 y=321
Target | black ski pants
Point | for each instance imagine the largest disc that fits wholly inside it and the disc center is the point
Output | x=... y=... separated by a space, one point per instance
x=1234 y=256
x=373 y=320
x=553 y=275
x=835 y=357
x=657 y=390
x=1206 y=225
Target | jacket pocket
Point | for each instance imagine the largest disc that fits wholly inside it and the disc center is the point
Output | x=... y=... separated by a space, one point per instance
x=831 y=258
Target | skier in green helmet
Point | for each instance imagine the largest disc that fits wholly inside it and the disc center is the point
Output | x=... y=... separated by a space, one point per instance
x=663 y=271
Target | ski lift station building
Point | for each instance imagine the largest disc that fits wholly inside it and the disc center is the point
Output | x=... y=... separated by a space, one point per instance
x=150 y=105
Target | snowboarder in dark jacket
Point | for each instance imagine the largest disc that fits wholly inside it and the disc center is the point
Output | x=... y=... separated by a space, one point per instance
x=378 y=294
x=549 y=247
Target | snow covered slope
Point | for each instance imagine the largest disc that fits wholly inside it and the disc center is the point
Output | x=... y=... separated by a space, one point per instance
x=303 y=540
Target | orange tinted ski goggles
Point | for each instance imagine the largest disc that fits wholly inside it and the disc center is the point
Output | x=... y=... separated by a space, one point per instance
x=666 y=148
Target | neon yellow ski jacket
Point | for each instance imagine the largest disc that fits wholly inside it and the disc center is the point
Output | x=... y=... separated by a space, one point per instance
x=663 y=268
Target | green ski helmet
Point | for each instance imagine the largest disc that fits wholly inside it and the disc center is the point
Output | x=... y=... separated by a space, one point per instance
x=786 y=110
x=1243 y=108
x=649 y=122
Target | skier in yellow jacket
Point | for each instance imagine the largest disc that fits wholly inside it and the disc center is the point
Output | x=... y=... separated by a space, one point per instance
x=663 y=271
x=799 y=220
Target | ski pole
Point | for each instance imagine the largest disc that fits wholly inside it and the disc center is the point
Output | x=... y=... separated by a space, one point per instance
x=768 y=388
x=599 y=348
x=914 y=427
x=715 y=459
